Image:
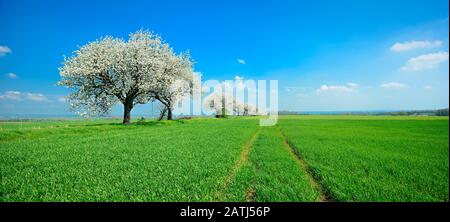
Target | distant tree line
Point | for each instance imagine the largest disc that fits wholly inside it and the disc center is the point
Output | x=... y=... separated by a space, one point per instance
x=437 y=112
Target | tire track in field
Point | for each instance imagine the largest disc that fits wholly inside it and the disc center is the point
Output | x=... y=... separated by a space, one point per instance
x=243 y=157
x=250 y=194
x=324 y=194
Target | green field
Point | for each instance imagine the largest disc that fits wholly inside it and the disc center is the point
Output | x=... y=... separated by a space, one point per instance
x=303 y=158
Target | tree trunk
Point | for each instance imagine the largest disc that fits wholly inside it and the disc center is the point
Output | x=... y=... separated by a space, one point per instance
x=169 y=114
x=223 y=112
x=127 y=112
x=162 y=113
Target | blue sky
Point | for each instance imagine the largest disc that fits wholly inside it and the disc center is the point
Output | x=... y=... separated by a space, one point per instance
x=327 y=55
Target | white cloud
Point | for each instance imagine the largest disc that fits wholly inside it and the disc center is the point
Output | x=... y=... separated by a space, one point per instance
x=352 y=85
x=38 y=97
x=16 y=95
x=11 y=95
x=349 y=87
x=238 y=78
x=411 y=45
x=290 y=89
x=393 y=85
x=62 y=99
x=241 y=61
x=426 y=61
x=11 y=75
x=428 y=87
x=4 y=50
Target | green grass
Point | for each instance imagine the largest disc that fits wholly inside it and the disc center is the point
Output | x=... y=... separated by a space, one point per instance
x=49 y=123
x=271 y=173
x=350 y=158
x=169 y=161
x=375 y=158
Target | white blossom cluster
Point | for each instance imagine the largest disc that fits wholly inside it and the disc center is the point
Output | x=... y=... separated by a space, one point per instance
x=111 y=70
x=222 y=102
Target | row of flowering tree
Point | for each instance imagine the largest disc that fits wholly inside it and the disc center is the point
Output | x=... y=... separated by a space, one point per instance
x=112 y=70
x=225 y=104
